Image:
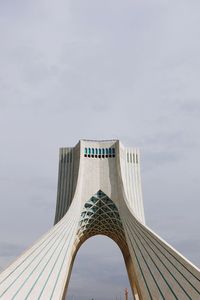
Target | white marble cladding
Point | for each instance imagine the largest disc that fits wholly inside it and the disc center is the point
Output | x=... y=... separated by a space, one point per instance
x=156 y=270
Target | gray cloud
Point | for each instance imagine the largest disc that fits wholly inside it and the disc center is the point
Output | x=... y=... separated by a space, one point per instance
x=91 y=280
x=191 y=107
x=99 y=69
x=9 y=249
x=158 y=158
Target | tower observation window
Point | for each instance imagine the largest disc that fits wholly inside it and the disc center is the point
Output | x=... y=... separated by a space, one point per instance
x=113 y=152
x=99 y=152
x=92 y=152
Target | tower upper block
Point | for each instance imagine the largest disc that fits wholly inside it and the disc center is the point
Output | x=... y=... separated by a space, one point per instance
x=99 y=192
x=104 y=165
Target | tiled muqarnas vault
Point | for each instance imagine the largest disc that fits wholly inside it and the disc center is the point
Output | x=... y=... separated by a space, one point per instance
x=99 y=192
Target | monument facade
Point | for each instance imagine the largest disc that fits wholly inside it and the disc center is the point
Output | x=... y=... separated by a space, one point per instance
x=99 y=192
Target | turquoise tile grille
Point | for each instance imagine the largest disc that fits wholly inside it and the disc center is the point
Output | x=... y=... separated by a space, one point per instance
x=101 y=216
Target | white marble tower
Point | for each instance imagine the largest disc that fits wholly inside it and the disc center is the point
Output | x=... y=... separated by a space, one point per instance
x=99 y=192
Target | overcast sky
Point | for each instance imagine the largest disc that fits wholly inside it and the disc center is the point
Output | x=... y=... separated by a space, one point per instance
x=72 y=69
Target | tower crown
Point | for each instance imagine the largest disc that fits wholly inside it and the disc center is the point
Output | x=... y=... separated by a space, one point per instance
x=104 y=164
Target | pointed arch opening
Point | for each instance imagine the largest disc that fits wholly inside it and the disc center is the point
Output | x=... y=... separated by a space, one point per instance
x=100 y=219
x=99 y=271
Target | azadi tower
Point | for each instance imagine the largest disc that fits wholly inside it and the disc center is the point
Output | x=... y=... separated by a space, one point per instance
x=99 y=192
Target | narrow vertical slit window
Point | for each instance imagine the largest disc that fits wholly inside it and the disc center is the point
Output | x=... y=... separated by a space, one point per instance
x=113 y=152
x=70 y=156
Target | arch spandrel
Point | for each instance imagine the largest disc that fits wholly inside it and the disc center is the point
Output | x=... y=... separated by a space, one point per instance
x=100 y=215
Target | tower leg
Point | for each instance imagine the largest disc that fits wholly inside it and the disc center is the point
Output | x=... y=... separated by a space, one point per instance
x=131 y=274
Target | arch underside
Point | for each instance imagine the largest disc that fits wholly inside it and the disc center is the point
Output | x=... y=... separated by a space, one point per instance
x=100 y=216
x=156 y=271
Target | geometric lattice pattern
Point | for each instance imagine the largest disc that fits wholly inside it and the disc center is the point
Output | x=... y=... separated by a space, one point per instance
x=156 y=270
x=101 y=216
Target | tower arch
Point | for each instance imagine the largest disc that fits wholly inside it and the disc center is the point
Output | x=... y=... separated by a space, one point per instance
x=100 y=195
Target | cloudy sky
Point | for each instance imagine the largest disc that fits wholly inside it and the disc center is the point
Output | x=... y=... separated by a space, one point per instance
x=72 y=69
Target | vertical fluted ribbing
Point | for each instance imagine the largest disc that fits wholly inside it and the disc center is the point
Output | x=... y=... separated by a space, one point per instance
x=139 y=188
x=63 y=187
x=170 y=274
x=65 y=182
x=70 y=178
x=25 y=278
x=63 y=166
x=157 y=270
x=131 y=179
x=65 y=178
x=58 y=188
